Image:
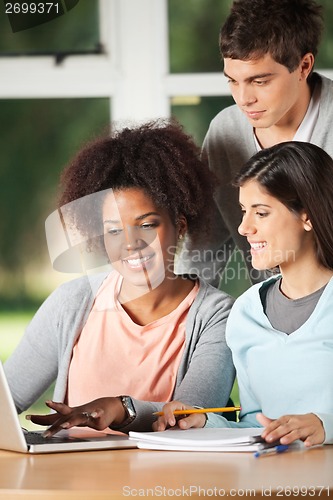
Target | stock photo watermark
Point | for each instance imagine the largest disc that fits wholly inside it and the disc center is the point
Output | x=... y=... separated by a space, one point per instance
x=216 y=491
x=24 y=15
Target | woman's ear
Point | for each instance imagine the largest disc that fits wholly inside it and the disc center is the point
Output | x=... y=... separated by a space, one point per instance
x=306 y=222
x=181 y=226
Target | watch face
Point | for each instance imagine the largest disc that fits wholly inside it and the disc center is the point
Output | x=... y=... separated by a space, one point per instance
x=128 y=406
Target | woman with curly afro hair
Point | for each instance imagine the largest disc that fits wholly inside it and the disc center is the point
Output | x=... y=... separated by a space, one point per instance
x=135 y=336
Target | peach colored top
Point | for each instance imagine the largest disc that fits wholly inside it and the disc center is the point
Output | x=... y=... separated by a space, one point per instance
x=114 y=355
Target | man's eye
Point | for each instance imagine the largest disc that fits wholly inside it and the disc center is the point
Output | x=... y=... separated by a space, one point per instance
x=260 y=82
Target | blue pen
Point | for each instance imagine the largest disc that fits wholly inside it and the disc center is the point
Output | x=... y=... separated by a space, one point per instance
x=280 y=448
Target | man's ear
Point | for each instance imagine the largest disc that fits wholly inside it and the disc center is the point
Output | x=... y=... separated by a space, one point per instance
x=306 y=65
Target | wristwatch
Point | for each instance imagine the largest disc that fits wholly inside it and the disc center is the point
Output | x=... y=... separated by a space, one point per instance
x=128 y=406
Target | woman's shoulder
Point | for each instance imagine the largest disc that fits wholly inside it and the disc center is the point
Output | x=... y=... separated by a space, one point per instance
x=252 y=296
x=209 y=296
x=78 y=288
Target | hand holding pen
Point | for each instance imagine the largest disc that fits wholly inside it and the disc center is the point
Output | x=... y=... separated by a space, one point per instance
x=189 y=411
x=193 y=417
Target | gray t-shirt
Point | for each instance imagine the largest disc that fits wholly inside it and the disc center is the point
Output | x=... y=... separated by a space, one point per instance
x=287 y=315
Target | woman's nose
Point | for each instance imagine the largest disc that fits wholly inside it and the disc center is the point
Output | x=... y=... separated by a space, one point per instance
x=130 y=238
x=246 y=227
x=134 y=239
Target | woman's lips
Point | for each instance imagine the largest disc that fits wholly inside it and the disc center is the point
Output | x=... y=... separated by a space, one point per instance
x=137 y=262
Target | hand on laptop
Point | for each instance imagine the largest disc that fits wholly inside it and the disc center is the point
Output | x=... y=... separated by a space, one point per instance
x=97 y=414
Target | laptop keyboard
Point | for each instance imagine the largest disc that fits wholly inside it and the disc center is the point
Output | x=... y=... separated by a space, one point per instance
x=38 y=438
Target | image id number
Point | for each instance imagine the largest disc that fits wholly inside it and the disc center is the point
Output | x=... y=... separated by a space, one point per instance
x=302 y=491
x=31 y=8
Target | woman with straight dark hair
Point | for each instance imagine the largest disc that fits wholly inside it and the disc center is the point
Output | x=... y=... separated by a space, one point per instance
x=280 y=331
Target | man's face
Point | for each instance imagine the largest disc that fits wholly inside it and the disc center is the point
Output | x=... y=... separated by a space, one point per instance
x=266 y=92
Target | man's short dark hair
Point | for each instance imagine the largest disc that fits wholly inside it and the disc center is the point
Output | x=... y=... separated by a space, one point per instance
x=285 y=29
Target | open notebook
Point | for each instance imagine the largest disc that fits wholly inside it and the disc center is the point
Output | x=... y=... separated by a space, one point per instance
x=206 y=439
x=13 y=438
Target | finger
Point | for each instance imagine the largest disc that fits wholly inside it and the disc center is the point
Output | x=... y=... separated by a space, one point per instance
x=168 y=416
x=315 y=438
x=263 y=420
x=61 y=408
x=275 y=435
x=194 y=420
x=79 y=419
x=287 y=430
x=160 y=425
x=309 y=435
x=43 y=419
x=61 y=424
x=276 y=428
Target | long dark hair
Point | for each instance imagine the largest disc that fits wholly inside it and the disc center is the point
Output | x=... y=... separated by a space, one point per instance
x=299 y=175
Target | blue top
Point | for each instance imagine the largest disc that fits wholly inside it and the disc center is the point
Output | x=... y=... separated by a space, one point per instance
x=281 y=374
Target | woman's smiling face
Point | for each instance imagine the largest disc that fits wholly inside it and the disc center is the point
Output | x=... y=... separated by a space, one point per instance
x=277 y=236
x=140 y=238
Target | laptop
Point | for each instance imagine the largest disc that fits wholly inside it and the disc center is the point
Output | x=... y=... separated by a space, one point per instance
x=14 y=438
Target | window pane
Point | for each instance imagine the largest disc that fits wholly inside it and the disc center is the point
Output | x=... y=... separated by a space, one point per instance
x=194 y=28
x=324 y=58
x=196 y=117
x=193 y=34
x=75 y=30
x=38 y=138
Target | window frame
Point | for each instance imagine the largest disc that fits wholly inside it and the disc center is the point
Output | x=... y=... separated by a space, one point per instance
x=132 y=73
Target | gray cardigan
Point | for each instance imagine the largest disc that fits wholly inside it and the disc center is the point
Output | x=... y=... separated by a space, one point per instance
x=205 y=375
x=229 y=143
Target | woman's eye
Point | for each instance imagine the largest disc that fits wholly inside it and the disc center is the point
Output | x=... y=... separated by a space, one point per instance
x=114 y=231
x=148 y=225
x=262 y=214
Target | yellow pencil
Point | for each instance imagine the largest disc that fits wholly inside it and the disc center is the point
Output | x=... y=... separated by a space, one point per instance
x=201 y=410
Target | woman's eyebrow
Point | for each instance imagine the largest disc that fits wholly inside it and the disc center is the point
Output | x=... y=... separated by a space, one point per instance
x=111 y=221
x=139 y=217
x=256 y=205
x=148 y=214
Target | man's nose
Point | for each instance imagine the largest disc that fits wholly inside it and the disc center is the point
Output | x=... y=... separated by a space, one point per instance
x=245 y=95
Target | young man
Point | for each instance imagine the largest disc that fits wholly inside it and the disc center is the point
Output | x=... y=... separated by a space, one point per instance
x=268 y=48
